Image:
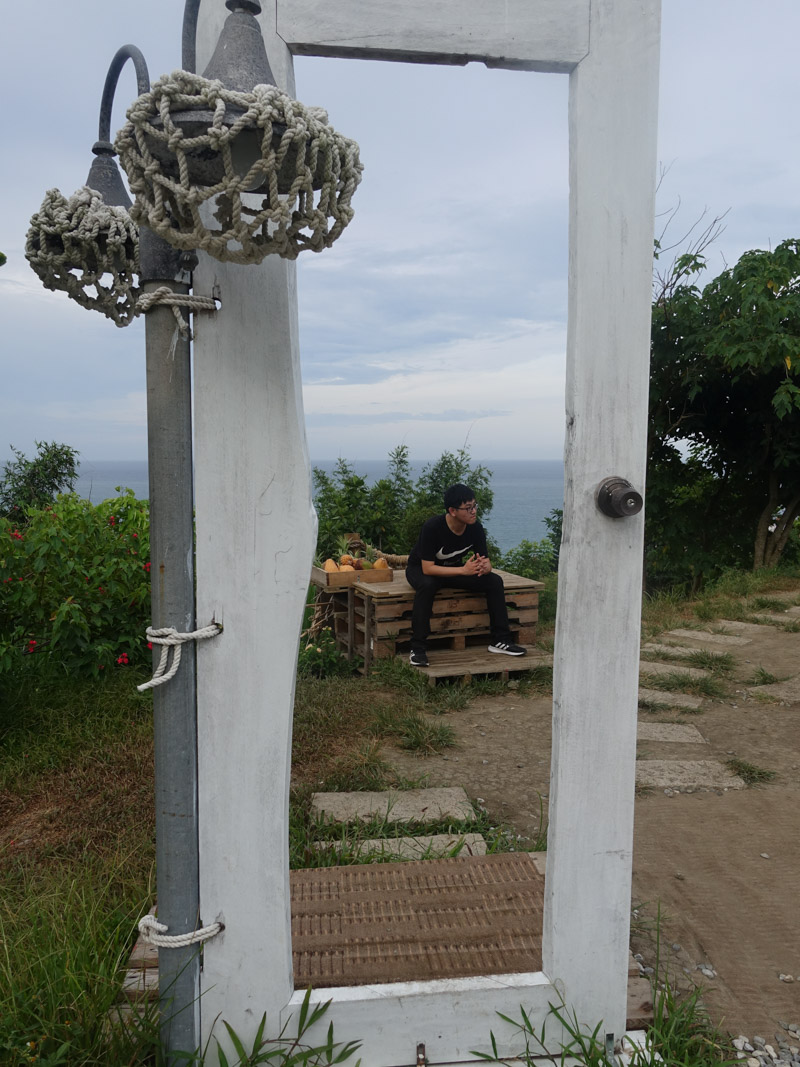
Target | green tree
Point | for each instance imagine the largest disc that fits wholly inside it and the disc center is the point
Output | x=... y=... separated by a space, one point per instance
x=389 y=513
x=724 y=447
x=27 y=483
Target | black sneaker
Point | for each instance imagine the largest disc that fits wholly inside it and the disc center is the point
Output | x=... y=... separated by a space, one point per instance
x=418 y=658
x=507 y=649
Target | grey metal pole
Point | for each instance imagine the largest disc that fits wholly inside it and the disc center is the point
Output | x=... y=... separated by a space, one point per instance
x=169 y=435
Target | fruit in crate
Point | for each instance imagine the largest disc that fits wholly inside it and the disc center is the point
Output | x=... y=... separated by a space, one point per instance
x=346 y=567
x=366 y=565
x=330 y=565
x=347 y=559
x=381 y=564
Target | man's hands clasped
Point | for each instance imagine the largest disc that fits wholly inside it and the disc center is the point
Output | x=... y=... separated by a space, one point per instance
x=476 y=565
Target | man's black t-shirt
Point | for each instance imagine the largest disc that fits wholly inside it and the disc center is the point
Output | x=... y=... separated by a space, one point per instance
x=438 y=543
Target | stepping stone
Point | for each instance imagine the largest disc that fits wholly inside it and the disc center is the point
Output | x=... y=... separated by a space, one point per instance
x=794 y=612
x=669 y=700
x=671 y=732
x=686 y=774
x=658 y=670
x=788 y=690
x=410 y=805
x=735 y=626
x=429 y=846
x=679 y=651
x=709 y=639
x=783 y=617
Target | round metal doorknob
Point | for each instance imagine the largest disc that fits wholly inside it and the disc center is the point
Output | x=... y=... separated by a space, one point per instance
x=617 y=498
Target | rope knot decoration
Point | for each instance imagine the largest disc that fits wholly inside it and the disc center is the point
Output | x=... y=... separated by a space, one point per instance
x=261 y=155
x=155 y=933
x=170 y=638
x=165 y=295
x=87 y=249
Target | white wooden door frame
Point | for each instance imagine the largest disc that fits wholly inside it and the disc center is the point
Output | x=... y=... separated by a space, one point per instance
x=255 y=539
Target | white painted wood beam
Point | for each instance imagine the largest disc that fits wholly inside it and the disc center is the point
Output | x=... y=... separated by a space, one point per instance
x=256 y=532
x=543 y=35
x=612 y=121
x=451 y=1017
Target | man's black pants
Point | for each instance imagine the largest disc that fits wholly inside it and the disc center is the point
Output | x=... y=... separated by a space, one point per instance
x=427 y=585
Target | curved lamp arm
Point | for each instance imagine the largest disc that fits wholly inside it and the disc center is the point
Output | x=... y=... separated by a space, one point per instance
x=128 y=51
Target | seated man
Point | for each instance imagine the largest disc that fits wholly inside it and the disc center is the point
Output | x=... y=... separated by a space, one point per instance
x=437 y=561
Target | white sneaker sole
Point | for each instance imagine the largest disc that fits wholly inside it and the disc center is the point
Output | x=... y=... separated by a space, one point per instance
x=504 y=651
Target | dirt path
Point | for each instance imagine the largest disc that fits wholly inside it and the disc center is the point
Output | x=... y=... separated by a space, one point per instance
x=725 y=866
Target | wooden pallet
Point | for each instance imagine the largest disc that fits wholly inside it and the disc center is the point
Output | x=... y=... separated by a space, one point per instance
x=479 y=661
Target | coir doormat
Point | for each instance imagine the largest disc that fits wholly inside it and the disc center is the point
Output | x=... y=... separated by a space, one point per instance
x=399 y=922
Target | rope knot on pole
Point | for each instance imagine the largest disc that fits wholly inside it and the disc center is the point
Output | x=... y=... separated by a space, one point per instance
x=165 y=295
x=170 y=638
x=155 y=933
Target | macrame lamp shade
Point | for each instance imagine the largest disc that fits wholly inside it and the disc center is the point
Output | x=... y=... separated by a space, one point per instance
x=280 y=177
x=88 y=245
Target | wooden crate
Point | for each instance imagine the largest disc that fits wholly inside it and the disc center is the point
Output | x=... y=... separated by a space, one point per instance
x=340 y=579
x=374 y=622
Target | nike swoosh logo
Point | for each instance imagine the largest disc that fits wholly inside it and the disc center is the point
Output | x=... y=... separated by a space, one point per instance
x=449 y=555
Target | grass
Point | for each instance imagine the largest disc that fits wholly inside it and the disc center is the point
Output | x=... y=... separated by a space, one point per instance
x=751 y=774
x=764 y=677
x=677 y=681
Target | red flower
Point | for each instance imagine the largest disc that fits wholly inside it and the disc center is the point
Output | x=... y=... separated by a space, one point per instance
x=100 y=589
x=16 y=535
x=32 y=645
x=146 y=567
x=135 y=535
x=150 y=645
x=123 y=659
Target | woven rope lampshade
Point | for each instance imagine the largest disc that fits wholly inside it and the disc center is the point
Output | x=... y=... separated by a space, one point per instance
x=280 y=178
x=88 y=247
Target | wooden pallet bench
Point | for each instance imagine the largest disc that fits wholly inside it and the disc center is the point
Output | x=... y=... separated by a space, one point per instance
x=374 y=622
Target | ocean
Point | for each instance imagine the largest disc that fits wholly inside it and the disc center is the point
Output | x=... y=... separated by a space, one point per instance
x=525 y=491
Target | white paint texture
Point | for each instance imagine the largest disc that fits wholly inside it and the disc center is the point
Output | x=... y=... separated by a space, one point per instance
x=612 y=120
x=544 y=35
x=256 y=532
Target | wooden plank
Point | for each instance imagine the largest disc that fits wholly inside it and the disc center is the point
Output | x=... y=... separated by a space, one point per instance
x=543 y=35
x=399 y=586
x=453 y=663
x=441 y=623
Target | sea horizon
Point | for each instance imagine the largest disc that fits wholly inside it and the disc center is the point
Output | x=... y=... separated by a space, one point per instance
x=525 y=491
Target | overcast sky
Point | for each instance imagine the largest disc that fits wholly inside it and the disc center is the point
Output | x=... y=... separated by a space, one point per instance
x=439 y=317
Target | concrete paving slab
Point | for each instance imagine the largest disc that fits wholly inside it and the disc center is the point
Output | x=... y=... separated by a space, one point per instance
x=670 y=732
x=669 y=700
x=788 y=690
x=428 y=846
x=724 y=640
x=658 y=670
x=779 y=617
x=686 y=774
x=735 y=626
x=680 y=651
x=410 y=805
x=794 y=612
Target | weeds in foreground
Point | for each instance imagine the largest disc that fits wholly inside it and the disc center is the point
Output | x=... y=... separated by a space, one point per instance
x=751 y=774
x=681 y=1035
x=764 y=677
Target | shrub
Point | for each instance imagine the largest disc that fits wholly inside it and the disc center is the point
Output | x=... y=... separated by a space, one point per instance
x=76 y=586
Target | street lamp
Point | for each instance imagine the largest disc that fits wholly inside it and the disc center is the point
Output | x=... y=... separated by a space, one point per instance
x=281 y=177
x=88 y=245
x=214 y=142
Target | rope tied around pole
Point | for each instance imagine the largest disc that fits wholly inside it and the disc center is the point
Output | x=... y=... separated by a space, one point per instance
x=165 y=295
x=170 y=638
x=155 y=933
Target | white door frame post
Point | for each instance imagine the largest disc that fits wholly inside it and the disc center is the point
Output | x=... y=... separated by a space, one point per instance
x=256 y=533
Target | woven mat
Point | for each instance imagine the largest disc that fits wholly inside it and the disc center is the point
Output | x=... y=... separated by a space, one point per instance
x=399 y=922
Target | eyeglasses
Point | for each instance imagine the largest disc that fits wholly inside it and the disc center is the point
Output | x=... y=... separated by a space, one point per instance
x=468 y=507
